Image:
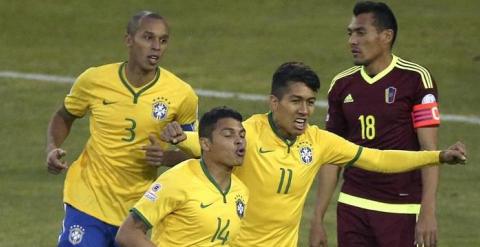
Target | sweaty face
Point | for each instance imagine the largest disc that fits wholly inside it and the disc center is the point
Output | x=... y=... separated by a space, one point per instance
x=228 y=142
x=148 y=44
x=291 y=112
x=366 y=42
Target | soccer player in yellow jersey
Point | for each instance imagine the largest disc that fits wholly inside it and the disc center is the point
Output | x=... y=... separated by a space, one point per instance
x=284 y=154
x=198 y=202
x=127 y=103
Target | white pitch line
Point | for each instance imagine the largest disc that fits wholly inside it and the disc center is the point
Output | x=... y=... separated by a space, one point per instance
x=210 y=93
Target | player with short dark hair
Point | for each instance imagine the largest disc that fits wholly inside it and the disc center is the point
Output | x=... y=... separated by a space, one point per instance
x=384 y=102
x=284 y=153
x=129 y=103
x=198 y=202
x=290 y=72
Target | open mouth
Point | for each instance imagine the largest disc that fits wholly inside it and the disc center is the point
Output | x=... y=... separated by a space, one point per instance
x=240 y=152
x=153 y=59
x=300 y=123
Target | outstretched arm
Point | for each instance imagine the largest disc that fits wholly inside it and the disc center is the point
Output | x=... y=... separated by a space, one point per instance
x=58 y=130
x=402 y=161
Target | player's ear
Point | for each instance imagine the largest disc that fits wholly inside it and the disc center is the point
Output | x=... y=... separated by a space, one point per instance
x=273 y=102
x=205 y=144
x=387 y=36
x=128 y=40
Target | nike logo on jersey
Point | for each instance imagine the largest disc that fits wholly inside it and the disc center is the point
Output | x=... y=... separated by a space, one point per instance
x=263 y=151
x=348 y=99
x=205 y=205
x=105 y=102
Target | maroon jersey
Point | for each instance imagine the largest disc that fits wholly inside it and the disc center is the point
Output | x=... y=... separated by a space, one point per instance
x=377 y=112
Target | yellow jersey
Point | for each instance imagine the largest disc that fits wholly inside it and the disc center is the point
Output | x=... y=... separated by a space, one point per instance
x=186 y=207
x=111 y=173
x=279 y=174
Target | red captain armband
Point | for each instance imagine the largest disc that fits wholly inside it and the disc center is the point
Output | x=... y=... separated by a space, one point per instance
x=425 y=115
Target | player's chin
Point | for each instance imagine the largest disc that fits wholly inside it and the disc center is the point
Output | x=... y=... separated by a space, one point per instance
x=238 y=160
x=150 y=66
x=296 y=131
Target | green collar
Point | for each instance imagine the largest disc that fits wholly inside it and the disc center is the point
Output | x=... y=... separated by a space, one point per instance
x=212 y=180
x=123 y=78
x=275 y=130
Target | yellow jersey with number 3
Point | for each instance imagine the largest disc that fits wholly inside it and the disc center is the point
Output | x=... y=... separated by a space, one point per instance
x=111 y=173
x=186 y=207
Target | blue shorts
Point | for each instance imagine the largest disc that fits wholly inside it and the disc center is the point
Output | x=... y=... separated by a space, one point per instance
x=80 y=229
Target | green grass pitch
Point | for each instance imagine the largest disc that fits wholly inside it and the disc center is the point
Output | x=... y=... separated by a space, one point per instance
x=219 y=45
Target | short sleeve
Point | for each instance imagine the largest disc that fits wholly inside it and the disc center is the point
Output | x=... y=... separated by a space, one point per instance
x=188 y=112
x=425 y=111
x=77 y=101
x=162 y=198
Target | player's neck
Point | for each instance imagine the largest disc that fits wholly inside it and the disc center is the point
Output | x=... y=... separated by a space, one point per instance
x=219 y=172
x=137 y=76
x=379 y=64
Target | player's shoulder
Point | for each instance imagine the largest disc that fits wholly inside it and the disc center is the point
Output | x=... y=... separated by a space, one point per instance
x=344 y=76
x=409 y=65
x=317 y=134
x=419 y=71
x=180 y=172
x=101 y=69
x=97 y=73
x=257 y=120
x=174 y=80
x=239 y=184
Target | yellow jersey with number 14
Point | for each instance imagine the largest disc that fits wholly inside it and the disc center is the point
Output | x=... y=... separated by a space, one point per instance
x=186 y=207
x=111 y=173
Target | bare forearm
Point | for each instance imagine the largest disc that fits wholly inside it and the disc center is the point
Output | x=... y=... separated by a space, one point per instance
x=58 y=129
x=133 y=232
x=427 y=137
x=429 y=188
x=327 y=181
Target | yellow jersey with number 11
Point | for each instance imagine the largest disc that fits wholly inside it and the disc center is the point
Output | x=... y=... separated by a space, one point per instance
x=280 y=172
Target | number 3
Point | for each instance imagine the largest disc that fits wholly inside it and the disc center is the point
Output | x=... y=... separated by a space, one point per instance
x=131 y=130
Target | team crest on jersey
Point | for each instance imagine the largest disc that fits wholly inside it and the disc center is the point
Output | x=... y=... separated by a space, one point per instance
x=75 y=234
x=390 y=93
x=151 y=194
x=305 y=151
x=160 y=108
x=240 y=206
